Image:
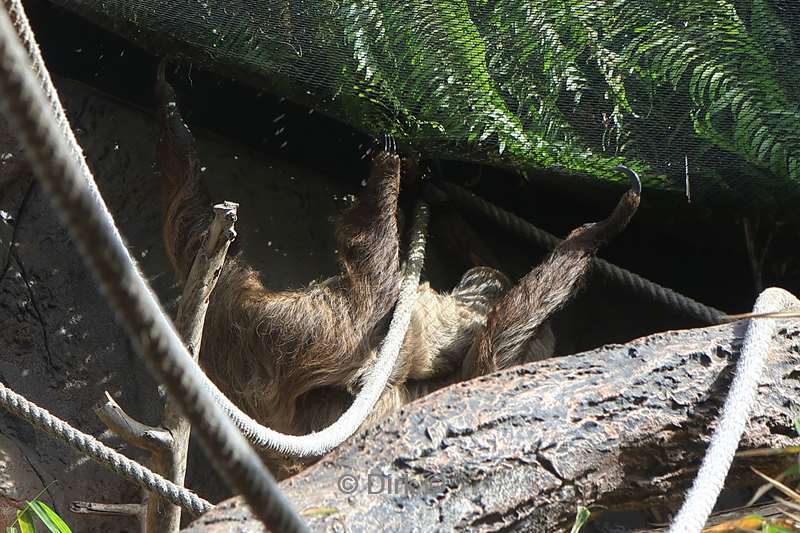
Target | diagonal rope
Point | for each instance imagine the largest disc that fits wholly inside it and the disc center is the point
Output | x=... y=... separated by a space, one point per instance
x=52 y=157
x=99 y=452
x=313 y=444
x=626 y=278
x=316 y=443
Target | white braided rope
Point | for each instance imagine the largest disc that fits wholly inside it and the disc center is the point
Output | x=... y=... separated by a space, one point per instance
x=710 y=479
x=57 y=161
x=28 y=110
x=321 y=442
x=26 y=409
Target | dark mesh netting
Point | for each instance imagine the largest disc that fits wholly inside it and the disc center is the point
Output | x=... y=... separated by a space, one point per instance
x=698 y=96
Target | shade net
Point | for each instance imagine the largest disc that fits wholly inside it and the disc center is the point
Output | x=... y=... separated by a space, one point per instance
x=698 y=96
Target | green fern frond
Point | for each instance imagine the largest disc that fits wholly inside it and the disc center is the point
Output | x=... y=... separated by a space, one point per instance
x=489 y=96
x=531 y=64
x=571 y=85
x=772 y=34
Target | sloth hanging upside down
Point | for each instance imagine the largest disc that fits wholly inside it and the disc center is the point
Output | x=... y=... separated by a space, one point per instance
x=294 y=359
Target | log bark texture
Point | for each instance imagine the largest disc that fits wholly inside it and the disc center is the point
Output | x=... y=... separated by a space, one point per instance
x=623 y=426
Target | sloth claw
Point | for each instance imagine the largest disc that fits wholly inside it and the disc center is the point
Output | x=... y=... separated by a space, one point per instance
x=389 y=144
x=636 y=183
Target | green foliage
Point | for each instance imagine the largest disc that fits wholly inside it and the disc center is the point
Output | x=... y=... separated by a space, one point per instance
x=773 y=528
x=42 y=511
x=574 y=84
x=683 y=91
x=737 y=103
x=446 y=76
x=580 y=519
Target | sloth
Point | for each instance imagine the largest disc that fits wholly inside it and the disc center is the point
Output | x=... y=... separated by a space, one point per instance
x=294 y=359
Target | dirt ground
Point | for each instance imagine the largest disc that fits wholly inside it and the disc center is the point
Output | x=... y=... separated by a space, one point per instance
x=59 y=344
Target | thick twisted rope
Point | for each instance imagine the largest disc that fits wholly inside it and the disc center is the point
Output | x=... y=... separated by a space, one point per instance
x=28 y=110
x=710 y=478
x=19 y=19
x=321 y=442
x=546 y=240
x=99 y=452
x=36 y=415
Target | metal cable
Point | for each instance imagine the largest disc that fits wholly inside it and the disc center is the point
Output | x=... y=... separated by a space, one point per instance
x=317 y=443
x=23 y=28
x=99 y=452
x=626 y=278
x=28 y=111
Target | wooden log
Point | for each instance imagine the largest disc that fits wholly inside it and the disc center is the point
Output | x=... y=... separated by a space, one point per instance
x=623 y=426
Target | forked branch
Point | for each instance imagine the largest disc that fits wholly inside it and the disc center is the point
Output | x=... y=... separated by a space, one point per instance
x=169 y=444
x=161 y=515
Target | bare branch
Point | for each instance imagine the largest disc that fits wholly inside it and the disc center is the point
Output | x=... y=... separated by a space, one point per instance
x=162 y=516
x=119 y=509
x=156 y=440
x=203 y=276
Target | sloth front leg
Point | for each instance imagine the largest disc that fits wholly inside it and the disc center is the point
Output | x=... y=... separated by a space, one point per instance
x=188 y=210
x=368 y=242
x=267 y=349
